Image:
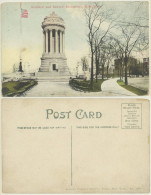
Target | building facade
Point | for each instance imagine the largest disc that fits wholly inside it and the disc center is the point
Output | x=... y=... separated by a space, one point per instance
x=146 y=65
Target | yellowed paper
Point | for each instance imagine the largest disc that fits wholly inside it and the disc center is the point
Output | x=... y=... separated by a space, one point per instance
x=75 y=145
x=87 y=48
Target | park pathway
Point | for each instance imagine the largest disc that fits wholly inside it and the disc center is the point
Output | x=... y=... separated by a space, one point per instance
x=57 y=89
x=112 y=88
x=62 y=89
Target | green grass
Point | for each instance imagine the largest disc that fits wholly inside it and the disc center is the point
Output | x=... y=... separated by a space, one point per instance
x=113 y=75
x=84 y=85
x=14 y=88
x=132 y=89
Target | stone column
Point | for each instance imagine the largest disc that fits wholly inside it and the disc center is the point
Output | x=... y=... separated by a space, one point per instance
x=46 y=41
x=56 y=36
x=63 y=42
x=50 y=41
x=60 y=41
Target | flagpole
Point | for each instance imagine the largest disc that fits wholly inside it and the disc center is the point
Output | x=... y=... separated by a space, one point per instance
x=20 y=30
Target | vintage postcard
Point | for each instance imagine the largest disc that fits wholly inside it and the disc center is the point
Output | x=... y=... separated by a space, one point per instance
x=62 y=146
x=75 y=48
x=75 y=145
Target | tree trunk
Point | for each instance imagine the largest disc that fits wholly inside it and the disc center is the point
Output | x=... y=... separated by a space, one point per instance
x=120 y=73
x=107 y=75
x=96 y=64
x=126 y=80
x=91 y=70
x=102 y=71
x=96 y=77
x=97 y=70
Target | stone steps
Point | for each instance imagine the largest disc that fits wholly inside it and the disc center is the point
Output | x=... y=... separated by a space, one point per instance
x=51 y=74
x=44 y=70
x=45 y=65
x=62 y=70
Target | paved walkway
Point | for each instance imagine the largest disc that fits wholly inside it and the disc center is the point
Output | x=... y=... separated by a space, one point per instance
x=112 y=87
x=56 y=89
x=63 y=89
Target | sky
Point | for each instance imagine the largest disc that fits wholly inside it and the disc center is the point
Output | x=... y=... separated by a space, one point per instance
x=25 y=34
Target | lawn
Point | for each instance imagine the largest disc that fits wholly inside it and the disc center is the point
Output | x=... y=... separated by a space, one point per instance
x=15 y=88
x=135 y=90
x=84 y=85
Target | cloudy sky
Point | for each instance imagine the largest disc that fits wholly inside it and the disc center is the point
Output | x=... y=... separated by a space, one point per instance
x=26 y=33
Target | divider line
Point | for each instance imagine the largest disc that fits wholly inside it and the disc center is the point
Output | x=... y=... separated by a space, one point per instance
x=71 y=155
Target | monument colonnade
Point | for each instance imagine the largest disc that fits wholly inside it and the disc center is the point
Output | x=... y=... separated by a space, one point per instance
x=53 y=40
x=53 y=60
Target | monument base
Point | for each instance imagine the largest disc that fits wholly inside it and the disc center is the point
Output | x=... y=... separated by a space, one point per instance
x=52 y=76
x=54 y=64
x=53 y=67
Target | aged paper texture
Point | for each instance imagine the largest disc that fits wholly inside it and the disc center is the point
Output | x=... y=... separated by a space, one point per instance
x=75 y=48
x=75 y=145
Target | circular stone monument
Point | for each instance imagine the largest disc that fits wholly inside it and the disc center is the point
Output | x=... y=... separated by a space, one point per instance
x=53 y=61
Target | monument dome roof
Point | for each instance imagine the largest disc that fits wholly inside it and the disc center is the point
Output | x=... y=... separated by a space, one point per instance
x=53 y=20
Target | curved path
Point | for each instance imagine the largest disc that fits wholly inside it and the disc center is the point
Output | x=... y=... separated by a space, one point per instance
x=112 y=87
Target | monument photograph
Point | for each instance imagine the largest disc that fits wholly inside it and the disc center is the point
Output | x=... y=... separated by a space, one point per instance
x=53 y=61
x=58 y=49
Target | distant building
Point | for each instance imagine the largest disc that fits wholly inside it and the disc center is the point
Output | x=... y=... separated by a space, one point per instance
x=134 y=66
x=20 y=66
x=146 y=65
x=15 y=68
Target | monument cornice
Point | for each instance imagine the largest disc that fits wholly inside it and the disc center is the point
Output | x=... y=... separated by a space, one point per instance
x=53 y=20
x=54 y=27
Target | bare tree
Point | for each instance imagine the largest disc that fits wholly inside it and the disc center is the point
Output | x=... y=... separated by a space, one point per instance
x=129 y=36
x=132 y=35
x=97 y=57
x=140 y=16
x=96 y=16
x=118 y=54
x=94 y=20
x=131 y=39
